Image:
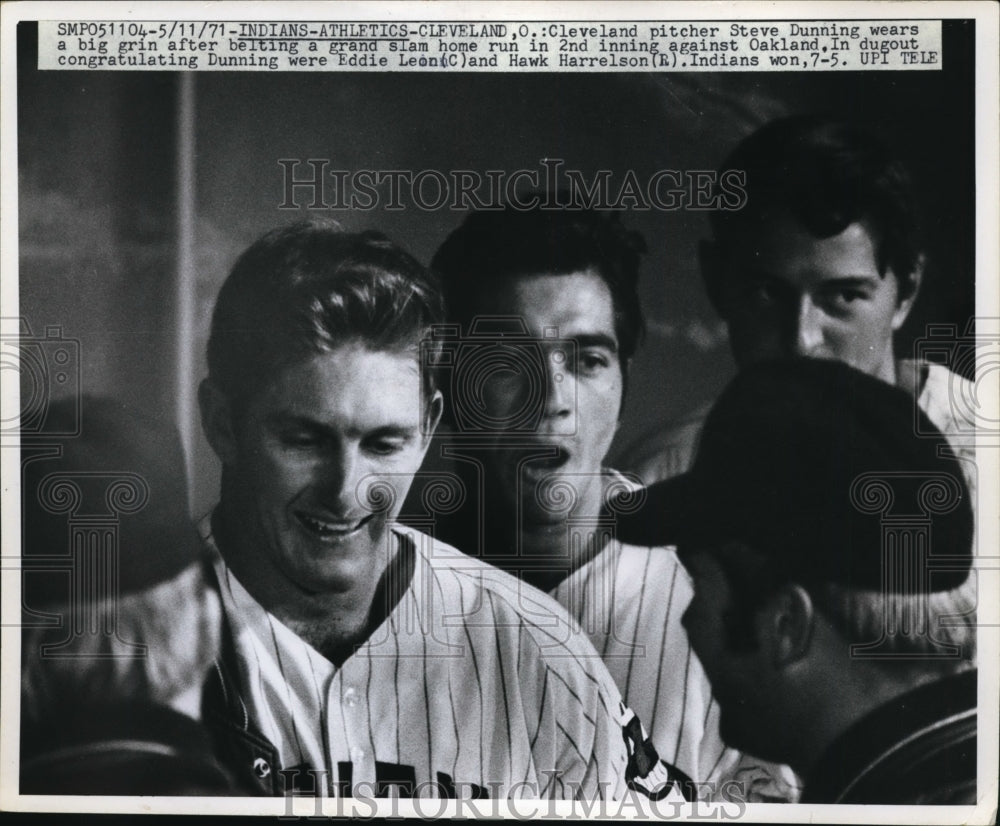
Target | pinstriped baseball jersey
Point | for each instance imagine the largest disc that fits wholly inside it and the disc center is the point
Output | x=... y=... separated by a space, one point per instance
x=475 y=683
x=629 y=600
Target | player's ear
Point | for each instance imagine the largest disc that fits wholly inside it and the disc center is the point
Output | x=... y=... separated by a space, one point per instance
x=217 y=421
x=909 y=289
x=626 y=368
x=713 y=276
x=785 y=626
x=432 y=417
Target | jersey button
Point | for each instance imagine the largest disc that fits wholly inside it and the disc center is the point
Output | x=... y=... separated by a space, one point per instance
x=357 y=755
x=351 y=697
x=261 y=768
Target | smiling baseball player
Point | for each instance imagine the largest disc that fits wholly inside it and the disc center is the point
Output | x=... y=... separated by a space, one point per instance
x=363 y=658
x=359 y=658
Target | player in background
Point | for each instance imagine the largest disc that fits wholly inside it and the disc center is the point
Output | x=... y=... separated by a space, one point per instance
x=839 y=634
x=359 y=654
x=549 y=319
x=823 y=260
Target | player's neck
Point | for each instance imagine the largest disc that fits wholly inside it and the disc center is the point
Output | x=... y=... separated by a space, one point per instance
x=542 y=551
x=337 y=635
x=860 y=690
x=887 y=368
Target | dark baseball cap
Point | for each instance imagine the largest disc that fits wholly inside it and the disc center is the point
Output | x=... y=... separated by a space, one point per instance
x=820 y=467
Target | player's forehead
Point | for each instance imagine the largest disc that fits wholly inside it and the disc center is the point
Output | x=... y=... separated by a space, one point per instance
x=780 y=246
x=351 y=389
x=567 y=305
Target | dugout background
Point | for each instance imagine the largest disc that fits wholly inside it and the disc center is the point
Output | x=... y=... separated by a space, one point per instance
x=138 y=190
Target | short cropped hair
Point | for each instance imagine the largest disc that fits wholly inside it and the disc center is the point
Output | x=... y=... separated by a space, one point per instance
x=308 y=288
x=828 y=175
x=857 y=615
x=491 y=246
x=940 y=618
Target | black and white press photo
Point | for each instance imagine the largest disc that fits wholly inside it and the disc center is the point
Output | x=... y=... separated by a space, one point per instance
x=534 y=410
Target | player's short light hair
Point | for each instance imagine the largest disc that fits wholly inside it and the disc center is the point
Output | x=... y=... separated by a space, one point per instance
x=859 y=616
x=933 y=621
x=309 y=288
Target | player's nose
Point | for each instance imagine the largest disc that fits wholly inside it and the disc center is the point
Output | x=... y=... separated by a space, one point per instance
x=806 y=333
x=336 y=480
x=558 y=388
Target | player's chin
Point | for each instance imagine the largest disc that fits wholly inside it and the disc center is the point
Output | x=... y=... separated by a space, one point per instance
x=545 y=504
x=334 y=575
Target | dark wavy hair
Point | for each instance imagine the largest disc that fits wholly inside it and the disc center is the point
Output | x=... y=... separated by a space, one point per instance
x=309 y=288
x=491 y=246
x=828 y=174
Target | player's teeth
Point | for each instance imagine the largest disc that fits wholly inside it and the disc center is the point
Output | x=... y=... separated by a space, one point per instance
x=325 y=528
x=316 y=525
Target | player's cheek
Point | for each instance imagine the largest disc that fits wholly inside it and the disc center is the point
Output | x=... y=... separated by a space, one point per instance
x=598 y=400
x=278 y=467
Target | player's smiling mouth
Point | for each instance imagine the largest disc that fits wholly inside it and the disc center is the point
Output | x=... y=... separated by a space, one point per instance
x=331 y=530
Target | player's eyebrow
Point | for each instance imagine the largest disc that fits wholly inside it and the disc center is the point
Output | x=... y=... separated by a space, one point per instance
x=282 y=420
x=851 y=280
x=839 y=279
x=596 y=340
x=392 y=431
x=289 y=421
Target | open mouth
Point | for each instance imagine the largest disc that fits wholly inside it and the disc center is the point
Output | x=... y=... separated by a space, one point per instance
x=548 y=464
x=331 y=530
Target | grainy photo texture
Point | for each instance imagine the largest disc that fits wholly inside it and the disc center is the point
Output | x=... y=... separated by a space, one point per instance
x=536 y=410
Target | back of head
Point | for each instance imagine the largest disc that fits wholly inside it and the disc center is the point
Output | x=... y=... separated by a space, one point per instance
x=827 y=174
x=493 y=245
x=811 y=472
x=309 y=288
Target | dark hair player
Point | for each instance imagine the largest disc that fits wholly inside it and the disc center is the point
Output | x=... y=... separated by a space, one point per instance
x=824 y=260
x=554 y=292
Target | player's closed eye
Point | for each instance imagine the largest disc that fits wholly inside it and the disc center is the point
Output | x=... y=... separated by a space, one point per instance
x=385 y=446
x=301 y=439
